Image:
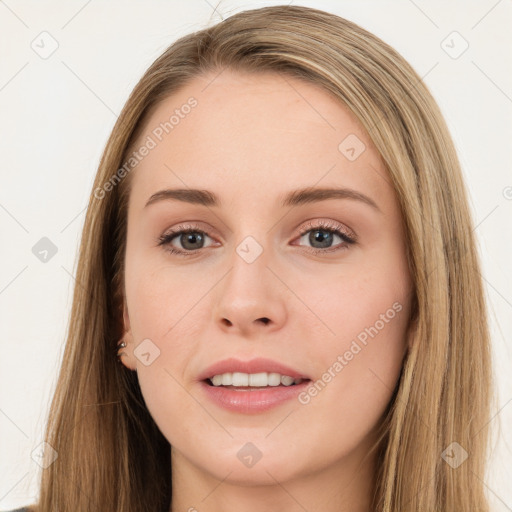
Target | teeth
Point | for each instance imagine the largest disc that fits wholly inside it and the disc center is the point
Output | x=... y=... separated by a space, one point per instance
x=258 y=380
x=227 y=379
x=239 y=379
x=274 y=379
x=287 y=381
x=217 y=380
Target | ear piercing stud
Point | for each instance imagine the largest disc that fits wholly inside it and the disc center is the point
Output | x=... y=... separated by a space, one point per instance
x=120 y=346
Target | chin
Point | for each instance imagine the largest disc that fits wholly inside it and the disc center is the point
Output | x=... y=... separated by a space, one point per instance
x=243 y=468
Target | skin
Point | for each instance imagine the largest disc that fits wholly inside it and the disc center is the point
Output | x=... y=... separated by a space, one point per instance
x=251 y=139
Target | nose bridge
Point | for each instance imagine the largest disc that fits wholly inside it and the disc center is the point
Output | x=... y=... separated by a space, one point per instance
x=248 y=277
x=252 y=247
x=250 y=294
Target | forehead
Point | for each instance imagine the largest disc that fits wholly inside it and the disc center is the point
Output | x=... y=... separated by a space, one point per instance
x=254 y=132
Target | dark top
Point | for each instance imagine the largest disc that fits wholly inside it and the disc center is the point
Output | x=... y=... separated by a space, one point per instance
x=18 y=510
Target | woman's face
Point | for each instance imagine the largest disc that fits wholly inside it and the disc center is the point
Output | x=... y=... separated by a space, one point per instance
x=316 y=282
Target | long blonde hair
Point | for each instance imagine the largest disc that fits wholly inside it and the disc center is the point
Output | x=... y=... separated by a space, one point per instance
x=112 y=456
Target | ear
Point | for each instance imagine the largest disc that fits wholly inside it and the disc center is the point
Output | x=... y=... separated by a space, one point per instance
x=127 y=357
x=127 y=331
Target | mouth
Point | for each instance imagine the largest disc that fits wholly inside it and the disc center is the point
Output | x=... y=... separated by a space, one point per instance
x=251 y=386
x=252 y=393
x=259 y=372
x=253 y=381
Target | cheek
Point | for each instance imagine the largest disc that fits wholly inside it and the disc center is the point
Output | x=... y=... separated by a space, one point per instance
x=360 y=360
x=358 y=302
x=164 y=309
x=159 y=297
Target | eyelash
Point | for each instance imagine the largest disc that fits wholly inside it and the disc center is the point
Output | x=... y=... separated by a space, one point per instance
x=166 y=239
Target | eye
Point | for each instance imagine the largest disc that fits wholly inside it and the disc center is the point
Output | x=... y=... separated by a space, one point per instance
x=190 y=239
x=322 y=234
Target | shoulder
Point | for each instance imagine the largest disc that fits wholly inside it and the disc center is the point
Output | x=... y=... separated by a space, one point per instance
x=18 y=510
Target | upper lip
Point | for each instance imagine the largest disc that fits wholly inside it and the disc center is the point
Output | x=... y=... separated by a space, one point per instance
x=258 y=365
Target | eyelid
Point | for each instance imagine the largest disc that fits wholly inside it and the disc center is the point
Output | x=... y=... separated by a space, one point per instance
x=328 y=225
x=311 y=224
x=186 y=227
x=346 y=234
x=174 y=232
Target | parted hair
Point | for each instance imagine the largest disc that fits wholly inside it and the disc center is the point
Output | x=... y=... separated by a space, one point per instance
x=112 y=456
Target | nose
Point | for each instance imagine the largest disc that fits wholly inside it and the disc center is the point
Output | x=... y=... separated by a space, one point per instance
x=250 y=299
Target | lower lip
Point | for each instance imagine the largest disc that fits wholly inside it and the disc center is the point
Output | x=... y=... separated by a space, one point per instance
x=250 y=401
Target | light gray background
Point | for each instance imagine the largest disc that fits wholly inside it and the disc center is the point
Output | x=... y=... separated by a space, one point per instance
x=57 y=112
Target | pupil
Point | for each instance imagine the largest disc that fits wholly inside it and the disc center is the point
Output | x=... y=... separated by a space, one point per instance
x=191 y=238
x=316 y=236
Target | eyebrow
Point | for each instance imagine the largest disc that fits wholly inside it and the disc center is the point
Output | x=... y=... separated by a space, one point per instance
x=294 y=198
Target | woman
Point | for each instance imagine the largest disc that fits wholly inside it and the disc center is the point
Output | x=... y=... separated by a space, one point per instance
x=279 y=249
